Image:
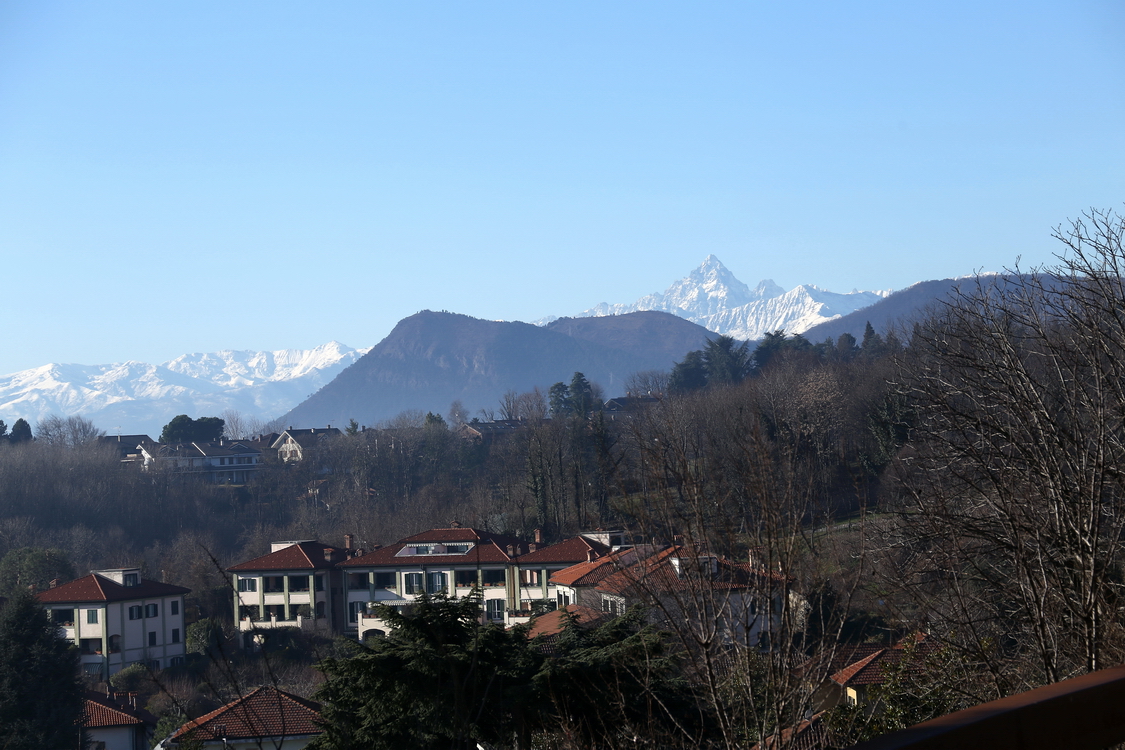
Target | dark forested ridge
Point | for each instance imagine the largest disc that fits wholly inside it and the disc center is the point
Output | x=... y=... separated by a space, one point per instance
x=433 y=358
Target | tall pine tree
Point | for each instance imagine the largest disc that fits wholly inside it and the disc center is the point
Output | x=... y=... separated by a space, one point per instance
x=41 y=699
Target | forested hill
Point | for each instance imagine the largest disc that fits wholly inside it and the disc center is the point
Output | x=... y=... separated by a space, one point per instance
x=433 y=358
x=901 y=308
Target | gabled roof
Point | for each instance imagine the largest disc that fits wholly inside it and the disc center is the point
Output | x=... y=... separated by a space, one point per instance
x=102 y=711
x=299 y=556
x=201 y=448
x=553 y=623
x=308 y=437
x=591 y=573
x=872 y=668
x=658 y=572
x=573 y=550
x=262 y=713
x=96 y=588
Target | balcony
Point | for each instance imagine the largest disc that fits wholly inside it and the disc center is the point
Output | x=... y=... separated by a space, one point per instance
x=1083 y=713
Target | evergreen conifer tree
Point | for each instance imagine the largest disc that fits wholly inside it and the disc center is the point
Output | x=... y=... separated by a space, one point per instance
x=41 y=698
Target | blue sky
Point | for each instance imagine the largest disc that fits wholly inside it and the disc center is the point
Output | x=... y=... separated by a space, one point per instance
x=179 y=177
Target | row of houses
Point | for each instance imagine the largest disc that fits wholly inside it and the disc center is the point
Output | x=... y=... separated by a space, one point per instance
x=117 y=618
x=335 y=590
x=220 y=461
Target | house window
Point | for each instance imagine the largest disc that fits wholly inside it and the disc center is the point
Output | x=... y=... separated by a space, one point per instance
x=435 y=583
x=135 y=612
x=152 y=610
x=152 y=637
x=132 y=579
x=320 y=610
x=247 y=584
x=494 y=609
x=175 y=606
x=384 y=580
x=176 y=661
x=298 y=583
x=91 y=617
x=354 y=608
x=562 y=598
x=412 y=582
x=492 y=578
x=320 y=583
x=464 y=578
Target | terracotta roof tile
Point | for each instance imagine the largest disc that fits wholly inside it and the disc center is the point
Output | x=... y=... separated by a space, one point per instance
x=590 y=573
x=96 y=588
x=300 y=556
x=488 y=549
x=553 y=623
x=263 y=712
x=659 y=572
x=872 y=669
x=573 y=550
x=102 y=711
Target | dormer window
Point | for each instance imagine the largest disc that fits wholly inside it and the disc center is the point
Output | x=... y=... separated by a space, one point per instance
x=132 y=579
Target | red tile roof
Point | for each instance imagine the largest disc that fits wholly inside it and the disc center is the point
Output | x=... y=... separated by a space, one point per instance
x=591 y=573
x=553 y=623
x=489 y=548
x=102 y=711
x=265 y=712
x=658 y=572
x=300 y=556
x=872 y=668
x=573 y=550
x=96 y=588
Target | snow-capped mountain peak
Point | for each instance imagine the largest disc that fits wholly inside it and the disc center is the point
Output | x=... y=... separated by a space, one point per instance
x=138 y=397
x=712 y=297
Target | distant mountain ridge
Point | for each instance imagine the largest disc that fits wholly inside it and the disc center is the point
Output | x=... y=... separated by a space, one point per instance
x=431 y=359
x=141 y=398
x=712 y=297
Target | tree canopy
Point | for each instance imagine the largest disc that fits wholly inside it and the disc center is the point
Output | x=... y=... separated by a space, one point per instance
x=31 y=568
x=21 y=432
x=41 y=697
x=184 y=429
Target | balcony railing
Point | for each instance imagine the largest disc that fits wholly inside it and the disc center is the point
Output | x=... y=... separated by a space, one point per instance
x=1082 y=713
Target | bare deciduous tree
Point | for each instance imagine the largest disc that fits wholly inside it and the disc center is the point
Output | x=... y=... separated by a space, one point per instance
x=1014 y=494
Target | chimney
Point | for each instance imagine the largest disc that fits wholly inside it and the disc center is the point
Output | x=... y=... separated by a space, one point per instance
x=511 y=551
x=349 y=539
x=328 y=554
x=678 y=540
x=539 y=536
x=532 y=547
x=54 y=583
x=590 y=555
x=133 y=700
x=455 y=525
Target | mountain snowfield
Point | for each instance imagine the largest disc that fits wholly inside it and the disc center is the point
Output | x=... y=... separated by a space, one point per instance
x=135 y=397
x=712 y=297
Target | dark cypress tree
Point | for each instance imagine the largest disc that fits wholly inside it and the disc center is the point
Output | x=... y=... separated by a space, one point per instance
x=21 y=432
x=41 y=699
x=688 y=375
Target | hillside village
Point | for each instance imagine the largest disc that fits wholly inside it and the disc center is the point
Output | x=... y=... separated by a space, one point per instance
x=800 y=544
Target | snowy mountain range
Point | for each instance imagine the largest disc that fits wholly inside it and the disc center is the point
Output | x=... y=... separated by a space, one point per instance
x=135 y=397
x=712 y=297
